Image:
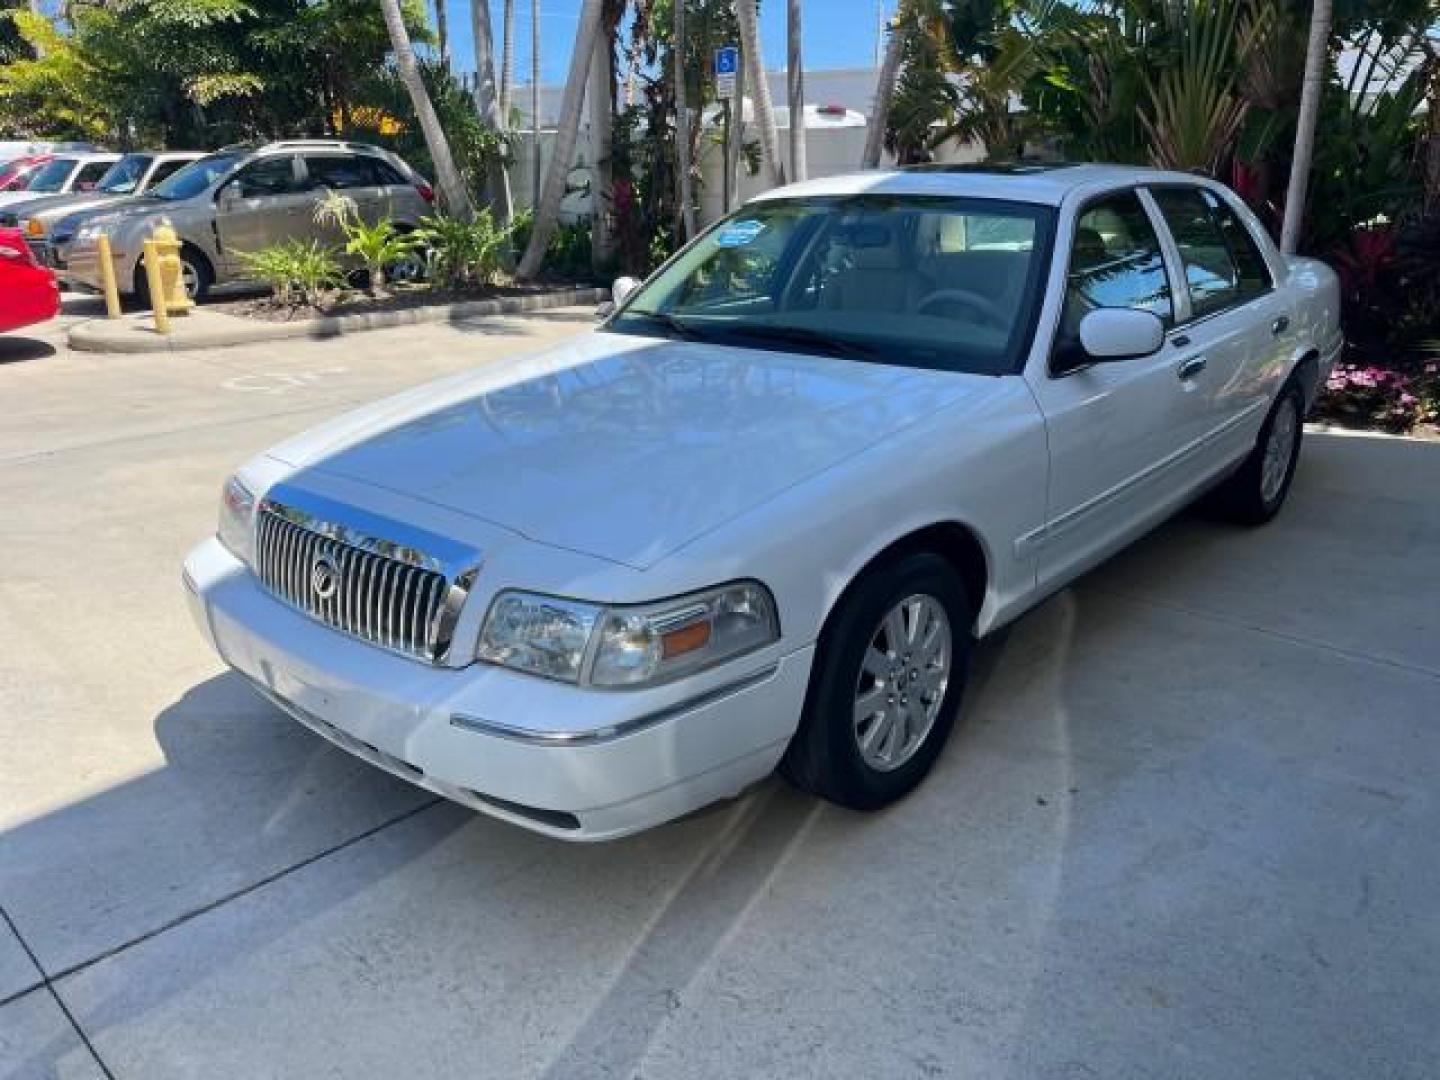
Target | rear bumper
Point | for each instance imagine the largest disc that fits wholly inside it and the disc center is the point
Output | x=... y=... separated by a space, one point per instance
x=487 y=737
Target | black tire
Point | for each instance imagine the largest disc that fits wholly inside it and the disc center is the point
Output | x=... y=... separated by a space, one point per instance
x=1244 y=496
x=191 y=260
x=825 y=757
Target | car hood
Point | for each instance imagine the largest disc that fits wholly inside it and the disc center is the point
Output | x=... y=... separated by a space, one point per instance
x=54 y=206
x=624 y=447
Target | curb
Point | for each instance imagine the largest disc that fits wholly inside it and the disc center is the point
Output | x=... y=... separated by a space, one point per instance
x=128 y=336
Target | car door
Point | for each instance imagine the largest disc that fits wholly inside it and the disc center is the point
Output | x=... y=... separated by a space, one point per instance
x=263 y=204
x=1117 y=431
x=351 y=176
x=1237 y=322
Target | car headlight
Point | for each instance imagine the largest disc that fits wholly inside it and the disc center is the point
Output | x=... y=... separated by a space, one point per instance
x=627 y=646
x=237 y=511
x=88 y=232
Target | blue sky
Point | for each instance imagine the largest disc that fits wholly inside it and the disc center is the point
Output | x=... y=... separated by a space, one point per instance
x=838 y=33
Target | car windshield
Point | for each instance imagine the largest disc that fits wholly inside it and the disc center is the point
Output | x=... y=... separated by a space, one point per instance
x=923 y=281
x=52 y=175
x=193 y=179
x=125 y=175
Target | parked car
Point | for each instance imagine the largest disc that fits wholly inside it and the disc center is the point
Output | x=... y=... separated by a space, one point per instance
x=61 y=174
x=243 y=199
x=15 y=174
x=761 y=515
x=132 y=175
x=11 y=149
x=28 y=292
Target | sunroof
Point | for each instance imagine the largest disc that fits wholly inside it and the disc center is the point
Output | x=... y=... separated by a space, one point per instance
x=997 y=168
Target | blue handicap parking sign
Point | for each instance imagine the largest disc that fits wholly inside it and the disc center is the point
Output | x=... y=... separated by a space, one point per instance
x=727 y=60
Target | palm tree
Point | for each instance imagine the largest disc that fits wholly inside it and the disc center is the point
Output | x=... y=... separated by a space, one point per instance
x=602 y=128
x=487 y=104
x=447 y=176
x=535 y=104
x=1317 y=58
x=885 y=90
x=755 y=73
x=442 y=30
x=795 y=70
x=547 y=209
x=682 y=125
x=507 y=59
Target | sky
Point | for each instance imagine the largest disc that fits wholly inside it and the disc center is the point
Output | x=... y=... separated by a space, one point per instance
x=837 y=34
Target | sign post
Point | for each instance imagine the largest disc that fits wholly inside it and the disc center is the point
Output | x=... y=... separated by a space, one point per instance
x=727 y=65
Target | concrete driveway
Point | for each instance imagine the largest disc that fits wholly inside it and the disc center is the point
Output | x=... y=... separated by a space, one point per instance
x=1188 y=827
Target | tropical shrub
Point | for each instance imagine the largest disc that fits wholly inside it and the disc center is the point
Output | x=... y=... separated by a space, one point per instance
x=378 y=246
x=568 y=253
x=461 y=253
x=297 y=271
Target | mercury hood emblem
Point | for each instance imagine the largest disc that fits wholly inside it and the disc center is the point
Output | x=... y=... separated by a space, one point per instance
x=324 y=578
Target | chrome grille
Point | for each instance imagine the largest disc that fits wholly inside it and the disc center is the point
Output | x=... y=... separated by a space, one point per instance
x=371 y=596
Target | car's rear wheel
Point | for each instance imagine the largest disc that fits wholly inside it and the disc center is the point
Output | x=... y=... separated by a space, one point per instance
x=886 y=685
x=1256 y=491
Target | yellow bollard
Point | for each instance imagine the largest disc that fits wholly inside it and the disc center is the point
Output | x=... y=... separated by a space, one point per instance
x=107 y=277
x=157 y=288
x=167 y=244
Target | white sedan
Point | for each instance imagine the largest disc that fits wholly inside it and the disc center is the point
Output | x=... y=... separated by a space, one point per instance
x=760 y=515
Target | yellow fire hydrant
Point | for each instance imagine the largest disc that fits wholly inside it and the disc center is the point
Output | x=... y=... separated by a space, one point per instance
x=163 y=275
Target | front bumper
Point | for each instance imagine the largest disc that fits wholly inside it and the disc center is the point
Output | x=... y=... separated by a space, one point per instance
x=81 y=266
x=486 y=737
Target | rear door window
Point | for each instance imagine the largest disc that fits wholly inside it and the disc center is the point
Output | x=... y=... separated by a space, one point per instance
x=341 y=173
x=1211 y=275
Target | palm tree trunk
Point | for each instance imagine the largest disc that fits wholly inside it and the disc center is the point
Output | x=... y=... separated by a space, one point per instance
x=447 y=176
x=755 y=73
x=535 y=104
x=884 y=92
x=488 y=105
x=795 y=70
x=602 y=116
x=547 y=211
x=442 y=30
x=507 y=60
x=686 y=208
x=1317 y=59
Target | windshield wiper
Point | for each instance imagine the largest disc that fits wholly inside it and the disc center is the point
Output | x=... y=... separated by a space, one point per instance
x=670 y=322
x=807 y=339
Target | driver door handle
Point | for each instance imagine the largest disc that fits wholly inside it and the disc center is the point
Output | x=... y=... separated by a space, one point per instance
x=1190 y=367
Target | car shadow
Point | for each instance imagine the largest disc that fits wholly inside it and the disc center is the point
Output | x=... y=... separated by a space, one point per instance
x=17 y=350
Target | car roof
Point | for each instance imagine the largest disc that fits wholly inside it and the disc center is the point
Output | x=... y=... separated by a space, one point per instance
x=1044 y=183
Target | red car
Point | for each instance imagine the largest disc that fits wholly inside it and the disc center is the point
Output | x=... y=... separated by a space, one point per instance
x=15 y=174
x=28 y=292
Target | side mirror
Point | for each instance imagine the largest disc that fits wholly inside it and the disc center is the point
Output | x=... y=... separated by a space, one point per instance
x=226 y=198
x=1120 y=334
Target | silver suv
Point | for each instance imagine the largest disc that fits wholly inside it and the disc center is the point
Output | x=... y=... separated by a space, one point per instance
x=242 y=199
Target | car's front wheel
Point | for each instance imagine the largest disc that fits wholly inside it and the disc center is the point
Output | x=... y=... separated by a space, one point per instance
x=886 y=685
x=1257 y=490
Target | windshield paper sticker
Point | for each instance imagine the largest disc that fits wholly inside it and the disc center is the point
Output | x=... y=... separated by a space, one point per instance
x=740 y=233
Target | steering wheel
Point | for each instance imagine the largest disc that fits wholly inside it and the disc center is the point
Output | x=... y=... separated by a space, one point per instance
x=984 y=307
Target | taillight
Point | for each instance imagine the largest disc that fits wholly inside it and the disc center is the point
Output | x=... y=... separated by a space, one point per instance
x=426 y=191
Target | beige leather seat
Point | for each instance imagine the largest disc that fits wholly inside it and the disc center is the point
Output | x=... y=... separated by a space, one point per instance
x=876 y=281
